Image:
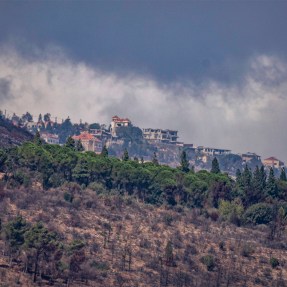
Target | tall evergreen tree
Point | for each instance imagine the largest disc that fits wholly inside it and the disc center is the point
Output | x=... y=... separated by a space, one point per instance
x=257 y=186
x=154 y=159
x=283 y=174
x=215 y=166
x=70 y=143
x=263 y=175
x=79 y=146
x=125 y=156
x=104 y=151
x=271 y=189
x=37 y=138
x=184 y=163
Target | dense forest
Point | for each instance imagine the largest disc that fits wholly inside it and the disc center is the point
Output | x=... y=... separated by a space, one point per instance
x=118 y=199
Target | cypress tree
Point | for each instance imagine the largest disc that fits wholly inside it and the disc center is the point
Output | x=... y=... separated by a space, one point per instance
x=271 y=189
x=184 y=164
x=283 y=174
x=257 y=185
x=104 y=151
x=154 y=159
x=79 y=146
x=70 y=143
x=125 y=156
x=215 y=166
x=37 y=138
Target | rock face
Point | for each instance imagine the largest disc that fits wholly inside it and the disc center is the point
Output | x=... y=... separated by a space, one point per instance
x=11 y=135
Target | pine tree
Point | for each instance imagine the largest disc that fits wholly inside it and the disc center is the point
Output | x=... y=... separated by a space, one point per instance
x=283 y=174
x=154 y=159
x=37 y=139
x=125 y=156
x=104 y=152
x=215 y=166
x=169 y=254
x=271 y=189
x=79 y=146
x=70 y=143
x=257 y=186
x=263 y=176
x=184 y=164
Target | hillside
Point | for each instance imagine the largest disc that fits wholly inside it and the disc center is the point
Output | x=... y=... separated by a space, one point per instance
x=11 y=135
x=79 y=219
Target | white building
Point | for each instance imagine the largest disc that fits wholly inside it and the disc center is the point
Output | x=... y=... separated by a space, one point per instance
x=160 y=135
x=50 y=138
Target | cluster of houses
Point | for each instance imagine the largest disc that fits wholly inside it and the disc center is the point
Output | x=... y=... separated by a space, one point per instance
x=94 y=139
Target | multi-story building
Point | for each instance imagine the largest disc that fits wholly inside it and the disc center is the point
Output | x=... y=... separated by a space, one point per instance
x=89 y=142
x=50 y=138
x=160 y=135
x=213 y=151
x=247 y=157
x=118 y=122
x=273 y=162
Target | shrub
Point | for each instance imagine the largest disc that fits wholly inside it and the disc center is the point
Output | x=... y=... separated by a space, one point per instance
x=260 y=213
x=274 y=262
x=247 y=250
x=208 y=261
x=231 y=211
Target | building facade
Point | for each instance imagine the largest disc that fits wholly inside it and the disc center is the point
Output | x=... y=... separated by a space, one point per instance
x=118 y=122
x=273 y=162
x=160 y=135
x=89 y=142
x=50 y=138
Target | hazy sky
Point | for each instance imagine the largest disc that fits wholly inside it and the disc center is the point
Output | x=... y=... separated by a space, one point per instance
x=214 y=70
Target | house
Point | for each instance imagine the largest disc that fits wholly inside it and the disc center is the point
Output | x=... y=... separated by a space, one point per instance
x=213 y=151
x=89 y=142
x=160 y=135
x=118 y=122
x=247 y=157
x=273 y=162
x=50 y=138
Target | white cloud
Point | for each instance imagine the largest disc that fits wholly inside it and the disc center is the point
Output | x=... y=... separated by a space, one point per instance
x=246 y=117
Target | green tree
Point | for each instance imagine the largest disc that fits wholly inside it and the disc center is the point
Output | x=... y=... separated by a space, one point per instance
x=70 y=143
x=169 y=261
x=154 y=159
x=283 y=174
x=37 y=138
x=215 y=166
x=257 y=186
x=47 y=117
x=184 y=163
x=271 y=189
x=41 y=241
x=104 y=151
x=14 y=233
x=125 y=156
x=79 y=146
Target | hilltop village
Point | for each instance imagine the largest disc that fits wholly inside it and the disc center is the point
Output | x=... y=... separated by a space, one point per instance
x=141 y=143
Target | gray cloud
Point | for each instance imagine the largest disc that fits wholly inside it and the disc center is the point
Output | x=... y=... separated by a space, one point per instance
x=250 y=116
x=5 y=89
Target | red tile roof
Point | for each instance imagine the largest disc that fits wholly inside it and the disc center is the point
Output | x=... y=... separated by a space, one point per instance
x=271 y=158
x=85 y=136
x=117 y=119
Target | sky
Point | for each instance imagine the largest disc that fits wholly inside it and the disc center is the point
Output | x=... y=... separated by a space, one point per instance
x=214 y=70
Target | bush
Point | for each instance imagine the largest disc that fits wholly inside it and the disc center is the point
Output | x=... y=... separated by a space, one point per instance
x=274 y=262
x=260 y=213
x=247 y=250
x=231 y=211
x=208 y=261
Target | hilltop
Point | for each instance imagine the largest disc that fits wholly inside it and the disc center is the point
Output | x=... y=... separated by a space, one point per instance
x=81 y=219
x=11 y=135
